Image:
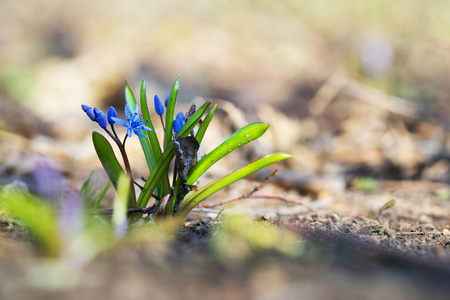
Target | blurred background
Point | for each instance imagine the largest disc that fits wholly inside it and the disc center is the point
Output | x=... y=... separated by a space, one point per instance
x=350 y=88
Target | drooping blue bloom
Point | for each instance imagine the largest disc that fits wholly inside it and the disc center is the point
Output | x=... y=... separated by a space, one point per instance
x=97 y=112
x=111 y=114
x=167 y=100
x=88 y=110
x=176 y=126
x=101 y=120
x=159 y=108
x=133 y=122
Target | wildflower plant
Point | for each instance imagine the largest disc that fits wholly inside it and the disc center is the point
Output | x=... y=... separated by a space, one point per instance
x=174 y=197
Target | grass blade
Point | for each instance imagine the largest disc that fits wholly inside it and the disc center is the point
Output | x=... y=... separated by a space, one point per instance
x=241 y=137
x=196 y=197
x=170 y=112
x=202 y=130
x=155 y=154
x=101 y=195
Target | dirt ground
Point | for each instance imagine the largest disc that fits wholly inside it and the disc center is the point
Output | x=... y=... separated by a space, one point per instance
x=396 y=256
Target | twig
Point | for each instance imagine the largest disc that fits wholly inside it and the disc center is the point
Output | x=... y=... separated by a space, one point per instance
x=251 y=195
x=236 y=198
x=280 y=197
x=258 y=187
x=109 y=211
x=410 y=232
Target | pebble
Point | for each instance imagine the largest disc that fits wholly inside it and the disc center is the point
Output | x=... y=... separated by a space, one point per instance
x=446 y=231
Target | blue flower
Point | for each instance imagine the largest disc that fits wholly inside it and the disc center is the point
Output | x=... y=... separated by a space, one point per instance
x=101 y=120
x=97 y=112
x=88 y=110
x=180 y=118
x=167 y=100
x=133 y=123
x=176 y=126
x=111 y=114
x=159 y=108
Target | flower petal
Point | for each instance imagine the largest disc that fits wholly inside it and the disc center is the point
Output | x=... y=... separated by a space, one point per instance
x=91 y=114
x=120 y=121
x=136 y=110
x=85 y=107
x=180 y=117
x=138 y=133
x=101 y=120
x=97 y=112
x=128 y=112
x=176 y=126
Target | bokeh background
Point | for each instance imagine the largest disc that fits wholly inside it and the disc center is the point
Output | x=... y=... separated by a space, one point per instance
x=349 y=87
x=357 y=91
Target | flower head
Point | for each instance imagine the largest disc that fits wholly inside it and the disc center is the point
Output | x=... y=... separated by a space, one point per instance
x=133 y=122
x=111 y=114
x=159 y=108
x=180 y=118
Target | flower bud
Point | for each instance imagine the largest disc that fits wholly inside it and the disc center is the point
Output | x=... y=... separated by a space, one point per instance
x=111 y=114
x=159 y=108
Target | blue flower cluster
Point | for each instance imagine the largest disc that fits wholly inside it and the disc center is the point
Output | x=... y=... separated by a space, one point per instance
x=179 y=121
x=133 y=123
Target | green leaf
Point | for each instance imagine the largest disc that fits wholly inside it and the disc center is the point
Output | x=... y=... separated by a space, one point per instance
x=241 y=137
x=386 y=206
x=164 y=185
x=110 y=163
x=170 y=110
x=194 y=198
x=145 y=143
x=163 y=163
x=129 y=96
x=119 y=216
x=202 y=130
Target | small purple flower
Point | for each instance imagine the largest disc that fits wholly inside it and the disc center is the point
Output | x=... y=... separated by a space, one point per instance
x=88 y=110
x=111 y=114
x=159 y=108
x=133 y=123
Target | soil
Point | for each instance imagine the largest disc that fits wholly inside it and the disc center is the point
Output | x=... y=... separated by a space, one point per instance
x=404 y=253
